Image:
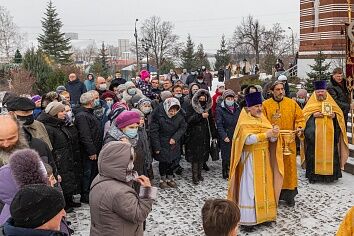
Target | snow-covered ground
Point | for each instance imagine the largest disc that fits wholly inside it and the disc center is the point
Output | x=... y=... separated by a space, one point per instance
x=319 y=208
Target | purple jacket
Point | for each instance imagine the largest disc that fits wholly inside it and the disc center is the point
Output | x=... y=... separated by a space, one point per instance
x=8 y=189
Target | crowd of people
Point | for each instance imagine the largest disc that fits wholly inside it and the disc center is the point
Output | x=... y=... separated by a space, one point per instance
x=94 y=141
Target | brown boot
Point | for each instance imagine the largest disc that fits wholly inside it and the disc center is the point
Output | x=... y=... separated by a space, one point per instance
x=195 y=173
x=163 y=183
x=171 y=182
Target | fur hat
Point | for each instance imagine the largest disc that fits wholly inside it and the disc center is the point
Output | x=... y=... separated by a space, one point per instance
x=27 y=168
x=54 y=108
x=36 y=204
x=196 y=104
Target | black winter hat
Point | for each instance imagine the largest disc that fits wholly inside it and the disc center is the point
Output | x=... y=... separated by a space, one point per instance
x=20 y=104
x=35 y=205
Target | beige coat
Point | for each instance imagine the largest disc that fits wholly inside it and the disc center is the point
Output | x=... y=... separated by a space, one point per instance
x=116 y=209
x=37 y=130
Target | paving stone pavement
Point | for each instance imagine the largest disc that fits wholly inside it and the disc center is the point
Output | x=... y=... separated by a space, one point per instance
x=318 y=211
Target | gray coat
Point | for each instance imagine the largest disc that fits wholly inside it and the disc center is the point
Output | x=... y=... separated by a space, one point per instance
x=115 y=207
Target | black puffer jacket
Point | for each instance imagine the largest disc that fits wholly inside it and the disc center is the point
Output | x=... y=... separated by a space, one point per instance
x=162 y=129
x=90 y=133
x=63 y=151
x=340 y=94
x=197 y=135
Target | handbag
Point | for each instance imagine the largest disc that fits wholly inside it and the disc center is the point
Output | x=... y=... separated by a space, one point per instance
x=214 y=147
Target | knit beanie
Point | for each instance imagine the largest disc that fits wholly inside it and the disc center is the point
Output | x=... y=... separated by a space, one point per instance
x=60 y=89
x=220 y=84
x=127 y=118
x=165 y=94
x=36 y=204
x=109 y=94
x=54 y=108
x=144 y=74
x=36 y=98
x=143 y=101
x=228 y=93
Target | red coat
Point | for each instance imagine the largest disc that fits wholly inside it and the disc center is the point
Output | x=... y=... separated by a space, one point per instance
x=215 y=98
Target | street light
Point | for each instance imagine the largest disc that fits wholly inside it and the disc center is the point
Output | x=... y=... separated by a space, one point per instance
x=146 y=45
x=136 y=46
x=292 y=40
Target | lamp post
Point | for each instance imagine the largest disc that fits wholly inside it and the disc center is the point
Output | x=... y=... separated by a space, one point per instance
x=136 y=46
x=146 y=46
x=292 y=40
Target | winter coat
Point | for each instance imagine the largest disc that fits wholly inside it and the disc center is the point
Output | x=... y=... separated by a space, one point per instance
x=101 y=113
x=208 y=78
x=65 y=148
x=115 y=207
x=146 y=89
x=76 y=88
x=38 y=130
x=203 y=85
x=340 y=94
x=11 y=230
x=162 y=129
x=90 y=134
x=8 y=189
x=191 y=79
x=215 y=99
x=226 y=121
x=36 y=112
x=90 y=84
x=43 y=150
x=221 y=75
x=184 y=77
x=143 y=157
x=197 y=135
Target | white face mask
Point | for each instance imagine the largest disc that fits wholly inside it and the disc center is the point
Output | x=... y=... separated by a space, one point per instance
x=102 y=87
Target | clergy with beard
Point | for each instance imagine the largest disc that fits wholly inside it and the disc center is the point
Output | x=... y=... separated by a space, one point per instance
x=287 y=115
x=256 y=166
x=326 y=142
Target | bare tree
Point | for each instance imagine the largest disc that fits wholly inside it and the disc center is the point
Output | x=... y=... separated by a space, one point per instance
x=276 y=42
x=86 y=54
x=10 y=37
x=163 y=42
x=250 y=34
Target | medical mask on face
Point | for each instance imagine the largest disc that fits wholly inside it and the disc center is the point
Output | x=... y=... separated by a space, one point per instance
x=200 y=81
x=202 y=103
x=109 y=104
x=301 y=100
x=96 y=103
x=131 y=91
x=229 y=103
x=102 y=87
x=26 y=120
x=178 y=95
x=131 y=133
x=146 y=110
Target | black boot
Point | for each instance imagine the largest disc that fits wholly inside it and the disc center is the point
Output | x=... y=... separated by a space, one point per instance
x=195 y=173
x=227 y=169
x=200 y=166
x=224 y=170
x=150 y=172
x=205 y=166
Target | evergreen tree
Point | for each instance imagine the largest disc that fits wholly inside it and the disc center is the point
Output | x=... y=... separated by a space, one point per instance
x=52 y=41
x=222 y=55
x=188 y=56
x=201 y=57
x=100 y=66
x=319 y=71
x=18 y=57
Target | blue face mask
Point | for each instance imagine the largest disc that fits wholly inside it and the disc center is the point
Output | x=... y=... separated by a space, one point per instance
x=131 y=91
x=229 y=103
x=96 y=103
x=301 y=100
x=131 y=133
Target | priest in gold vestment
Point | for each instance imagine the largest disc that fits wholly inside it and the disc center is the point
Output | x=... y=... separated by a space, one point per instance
x=326 y=142
x=287 y=114
x=256 y=168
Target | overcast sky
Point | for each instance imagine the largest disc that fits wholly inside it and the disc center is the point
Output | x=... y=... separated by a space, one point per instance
x=109 y=20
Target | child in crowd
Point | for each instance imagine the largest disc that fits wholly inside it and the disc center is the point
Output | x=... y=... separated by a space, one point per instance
x=220 y=217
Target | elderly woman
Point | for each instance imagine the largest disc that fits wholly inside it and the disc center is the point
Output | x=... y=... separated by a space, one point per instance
x=166 y=130
x=201 y=128
x=130 y=92
x=65 y=147
x=115 y=207
x=227 y=114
